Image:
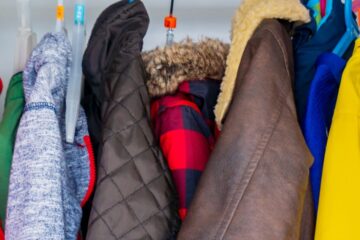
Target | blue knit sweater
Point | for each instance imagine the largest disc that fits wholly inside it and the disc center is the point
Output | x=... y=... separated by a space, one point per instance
x=49 y=179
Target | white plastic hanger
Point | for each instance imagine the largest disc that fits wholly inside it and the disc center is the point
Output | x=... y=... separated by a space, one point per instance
x=26 y=38
x=60 y=15
x=75 y=84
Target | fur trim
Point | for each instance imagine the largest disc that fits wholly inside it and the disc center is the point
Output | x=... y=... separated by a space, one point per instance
x=247 y=18
x=168 y=67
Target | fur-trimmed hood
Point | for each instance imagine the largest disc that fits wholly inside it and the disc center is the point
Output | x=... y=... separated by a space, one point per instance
x=247 y=18
x=168 y=67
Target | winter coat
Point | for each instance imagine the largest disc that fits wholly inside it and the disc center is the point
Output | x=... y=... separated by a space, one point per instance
x=134 y=197
x=50 y=180
x=184 y=81
x=339 y=208
x=256 y=183
x=14 y=106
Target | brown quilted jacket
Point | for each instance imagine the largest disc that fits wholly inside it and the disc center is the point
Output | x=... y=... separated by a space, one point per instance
x=134 y=196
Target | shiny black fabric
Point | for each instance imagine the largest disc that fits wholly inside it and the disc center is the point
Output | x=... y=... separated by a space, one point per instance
x=134 y=196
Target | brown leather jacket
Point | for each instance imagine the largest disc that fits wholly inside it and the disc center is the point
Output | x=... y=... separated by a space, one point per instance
x=256 y=182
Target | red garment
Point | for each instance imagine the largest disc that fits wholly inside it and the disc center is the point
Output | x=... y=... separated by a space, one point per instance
x=1 y=88
x=2 y=235
x=184 y=125
x=322 y=7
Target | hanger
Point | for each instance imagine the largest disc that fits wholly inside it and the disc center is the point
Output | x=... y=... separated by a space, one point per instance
x=352 y=31
x=74 y=90
x=170 y=24
x=60 y=16
x=26 y=38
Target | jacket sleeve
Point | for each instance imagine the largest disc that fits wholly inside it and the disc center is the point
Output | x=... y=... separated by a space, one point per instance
x=35 y=180
x=186 y=142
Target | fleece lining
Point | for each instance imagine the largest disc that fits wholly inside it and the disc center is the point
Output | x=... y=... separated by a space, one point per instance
x=247 y=18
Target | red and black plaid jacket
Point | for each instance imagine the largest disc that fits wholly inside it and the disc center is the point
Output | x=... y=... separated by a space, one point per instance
x=185 y=127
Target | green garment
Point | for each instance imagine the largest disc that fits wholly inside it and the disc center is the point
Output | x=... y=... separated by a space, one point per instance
x=14 y=105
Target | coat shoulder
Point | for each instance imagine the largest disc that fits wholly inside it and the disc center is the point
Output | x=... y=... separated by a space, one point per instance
x=273 y=37
x=274 y=31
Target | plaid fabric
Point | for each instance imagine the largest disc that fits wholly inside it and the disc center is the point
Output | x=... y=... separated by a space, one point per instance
x=185 y=127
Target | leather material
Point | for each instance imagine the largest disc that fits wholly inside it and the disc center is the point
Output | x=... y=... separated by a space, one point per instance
x=135 y=197
x=256 y=183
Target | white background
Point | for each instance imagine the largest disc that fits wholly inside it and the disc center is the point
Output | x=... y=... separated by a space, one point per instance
x=196 y=19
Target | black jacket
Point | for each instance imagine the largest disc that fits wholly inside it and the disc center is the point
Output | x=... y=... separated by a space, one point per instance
x=134 y=197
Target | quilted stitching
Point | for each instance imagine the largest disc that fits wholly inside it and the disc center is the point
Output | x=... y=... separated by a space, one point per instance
x=135 y=197
x=142 y=197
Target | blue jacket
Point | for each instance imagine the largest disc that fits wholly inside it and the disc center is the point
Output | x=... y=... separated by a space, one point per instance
x=319 y=112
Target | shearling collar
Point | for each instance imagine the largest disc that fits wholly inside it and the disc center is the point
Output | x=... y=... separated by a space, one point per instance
x=247 y=18
x=168 y=67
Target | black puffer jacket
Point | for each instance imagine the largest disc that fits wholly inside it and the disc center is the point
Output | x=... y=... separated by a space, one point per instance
x=134 y=197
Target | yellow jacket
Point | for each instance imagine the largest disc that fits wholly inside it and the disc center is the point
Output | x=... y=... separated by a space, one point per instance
x=339 y=205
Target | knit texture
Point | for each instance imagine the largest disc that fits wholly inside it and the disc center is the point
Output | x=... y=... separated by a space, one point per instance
x=14 y=105
x=49 y=178
x=319 y=112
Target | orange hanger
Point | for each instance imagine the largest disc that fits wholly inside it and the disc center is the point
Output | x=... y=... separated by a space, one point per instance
x=170 y=24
